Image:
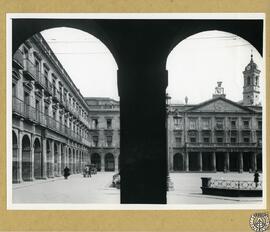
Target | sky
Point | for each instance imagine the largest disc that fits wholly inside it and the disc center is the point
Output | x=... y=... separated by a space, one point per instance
x=194 y=65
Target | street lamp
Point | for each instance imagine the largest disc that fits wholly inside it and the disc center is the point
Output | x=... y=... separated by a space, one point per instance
x=169 y=182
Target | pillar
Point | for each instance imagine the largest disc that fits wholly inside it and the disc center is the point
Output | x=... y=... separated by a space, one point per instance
x=52 y=174
x=227 y=162
x=115 y=163
x=186 y=162
x=214 y=162
x=102 y=157
x=254 y=161
x=200 y=161
x=241 y=162
x=32 y=151
x=60 y=160
x=19 y=167
x=44 y=158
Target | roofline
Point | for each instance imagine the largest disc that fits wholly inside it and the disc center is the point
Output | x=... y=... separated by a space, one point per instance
x=224 y=99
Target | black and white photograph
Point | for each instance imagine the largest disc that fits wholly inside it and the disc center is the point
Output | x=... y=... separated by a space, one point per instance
x=136 y=111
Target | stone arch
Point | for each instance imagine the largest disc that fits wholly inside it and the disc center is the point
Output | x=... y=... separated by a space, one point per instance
x=38 y=162
x=178 y=162
x=15 y=159
x=109 y=162
x=96 y=159
x=26 y=159
x=166 y=34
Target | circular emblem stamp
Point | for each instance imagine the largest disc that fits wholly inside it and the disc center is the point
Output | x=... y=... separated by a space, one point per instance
x=259 y=222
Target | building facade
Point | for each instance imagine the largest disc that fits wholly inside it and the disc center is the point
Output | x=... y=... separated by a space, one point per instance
x=50 y=118
x=218 y=134
x=54 y=126
x=104 y=116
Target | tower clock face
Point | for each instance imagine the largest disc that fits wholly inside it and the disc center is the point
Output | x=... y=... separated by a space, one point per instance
x=248 y=67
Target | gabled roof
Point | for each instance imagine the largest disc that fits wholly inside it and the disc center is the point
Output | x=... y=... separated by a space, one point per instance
x=220 y=104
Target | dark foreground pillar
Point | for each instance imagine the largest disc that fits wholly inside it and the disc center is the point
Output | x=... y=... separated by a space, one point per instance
x=143 y=161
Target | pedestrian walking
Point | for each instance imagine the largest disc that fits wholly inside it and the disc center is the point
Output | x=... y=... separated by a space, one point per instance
x=66 y=172
x=256 y=178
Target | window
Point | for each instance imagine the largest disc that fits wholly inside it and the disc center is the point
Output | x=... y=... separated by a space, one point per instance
x=95 y=141
x=246 y=123
x=246 y=140
x=54 y=114
x=259 y=124
x=192 y=124
x=178 y=141
x=37 y=106
x=219 y=140
x=109 y=123
x=233 y=123
x=206 y=139
x=219 y=123
x=233 y=140
x=26 y=98
x=46 y=72
x=14 y=90
x=95 y=123
x=37 y=66
x=177 y=122
x=206 y=123
x=193 y=139
x=248 y=81
x=109 y=141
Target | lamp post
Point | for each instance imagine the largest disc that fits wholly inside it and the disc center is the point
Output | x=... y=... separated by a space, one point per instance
x=169 y=182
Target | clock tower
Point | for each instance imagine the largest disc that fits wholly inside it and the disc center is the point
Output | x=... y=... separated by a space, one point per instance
x=251 y=89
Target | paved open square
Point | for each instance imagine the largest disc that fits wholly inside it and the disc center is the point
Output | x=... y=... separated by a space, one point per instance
x=98 y=189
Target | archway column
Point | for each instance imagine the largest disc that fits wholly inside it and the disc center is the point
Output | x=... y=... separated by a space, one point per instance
x=59 y=159
x=213 y=160
x=227 y=162
x=241 y=162
x=18 y=178
x=186 y=161
x=44 y=158
x=254 y=161
x=200 y=161
x=115 y=163
x=102 y=161
x=52 y=173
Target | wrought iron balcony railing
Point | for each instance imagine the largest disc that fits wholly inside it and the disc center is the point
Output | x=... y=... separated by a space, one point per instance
x=30 y=70
x=18 y=59
x=221 y=144
x=31 y=113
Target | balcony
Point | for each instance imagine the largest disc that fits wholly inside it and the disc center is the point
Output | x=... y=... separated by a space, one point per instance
x=30 y=113
x=30 y=71
x=17 y=61
x=55 y=94
x=223 y=145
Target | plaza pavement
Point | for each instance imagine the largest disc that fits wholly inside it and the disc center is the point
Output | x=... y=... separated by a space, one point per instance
x=187 y=189
x=97 y=189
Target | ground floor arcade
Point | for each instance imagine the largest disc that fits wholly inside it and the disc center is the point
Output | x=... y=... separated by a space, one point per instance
x=39 y=157
x=223 y=161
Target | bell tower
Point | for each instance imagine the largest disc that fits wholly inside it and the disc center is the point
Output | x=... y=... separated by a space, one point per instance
x=251 y=90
